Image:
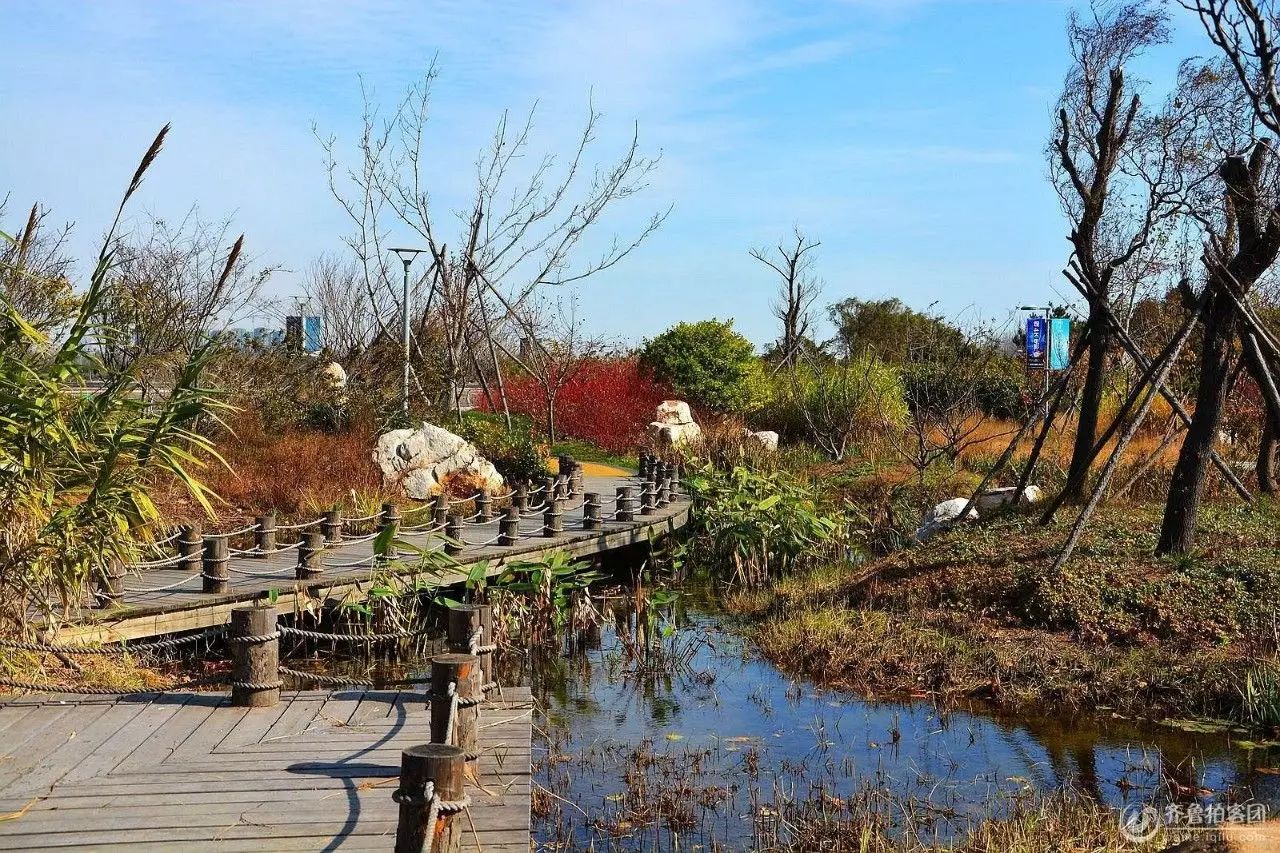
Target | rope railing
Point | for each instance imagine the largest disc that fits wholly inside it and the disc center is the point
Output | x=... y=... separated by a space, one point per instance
x=158 y=564
x=165 y=587
x=124 y=646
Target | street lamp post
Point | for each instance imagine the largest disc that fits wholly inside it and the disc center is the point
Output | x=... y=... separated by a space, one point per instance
x=406 y=257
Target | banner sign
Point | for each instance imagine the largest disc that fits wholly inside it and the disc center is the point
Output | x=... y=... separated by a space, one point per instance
x=1037 y=339
x=1059 y=343
x=311 y=334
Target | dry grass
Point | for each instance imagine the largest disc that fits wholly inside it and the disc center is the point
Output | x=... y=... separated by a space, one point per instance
x=296 y=472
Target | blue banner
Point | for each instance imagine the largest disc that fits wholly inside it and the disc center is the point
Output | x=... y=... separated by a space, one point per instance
x=1059 y=343
x=1037 y=340
x=311 y=334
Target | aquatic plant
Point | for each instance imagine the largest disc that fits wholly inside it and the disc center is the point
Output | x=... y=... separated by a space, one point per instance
x=757 y=525
x=540 y=599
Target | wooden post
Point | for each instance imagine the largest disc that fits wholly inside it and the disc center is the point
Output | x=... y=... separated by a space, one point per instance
x=390 y=517
x=576 y=479
x=444 y=767
x=591 y=511
x=453 y=535
x=626 y=503
x=214 y=564
x=458 y=726
x=648 y=497
x=331 y=525
x=509 y=527
x=550 y=488
x=440 y=514
x=471 y=632
x=110 y=583
x=484 y=507
x=674 y=471
x=552 y=519
x=664 y=492
x=255 y=657
x=311 y=556
x=520 y=500
x=264 y=538
x=191 y=547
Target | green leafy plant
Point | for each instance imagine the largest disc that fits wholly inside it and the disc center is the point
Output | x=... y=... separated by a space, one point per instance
x=79 y=448
x=755 y=525
x=515 y=452
x=544 y=596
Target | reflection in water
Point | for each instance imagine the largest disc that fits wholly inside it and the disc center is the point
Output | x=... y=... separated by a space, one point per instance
x=636 y=757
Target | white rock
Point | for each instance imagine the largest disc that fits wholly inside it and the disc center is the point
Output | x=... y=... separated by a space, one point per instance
x=764 y=439
x=420 y=461
x=993 y=498
x=943 y=516
x=675 y=436
x=673 y=412
x=335 y=375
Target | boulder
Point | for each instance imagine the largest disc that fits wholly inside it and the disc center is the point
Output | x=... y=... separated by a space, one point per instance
x=673 y=426
x=429 y=460
x=942 y=517
x=993 y=498
x=673 y=413
x=764 y=439
x=674 y=436
x=334 y=374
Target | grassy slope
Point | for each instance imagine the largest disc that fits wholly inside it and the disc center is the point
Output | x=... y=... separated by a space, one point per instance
x=977 y=613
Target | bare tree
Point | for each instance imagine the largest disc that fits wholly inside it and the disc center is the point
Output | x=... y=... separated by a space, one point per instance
x=552 y=348
x=797 y=292
x=942 y=382
x=1236 y=256
x=349 y=319
x=35 y=270
x=520 y=234
x=170 y=294
x=1097 y=116
x=1244 y=31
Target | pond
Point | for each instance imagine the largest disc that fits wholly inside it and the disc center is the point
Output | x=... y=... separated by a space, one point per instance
x=714 y=748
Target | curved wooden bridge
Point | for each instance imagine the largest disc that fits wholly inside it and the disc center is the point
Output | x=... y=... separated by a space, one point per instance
x=170 y=595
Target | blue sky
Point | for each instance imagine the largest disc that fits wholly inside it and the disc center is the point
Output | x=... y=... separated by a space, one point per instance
x=906 y=135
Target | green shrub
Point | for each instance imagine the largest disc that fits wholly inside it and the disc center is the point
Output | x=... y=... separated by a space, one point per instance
x=940 y=388
x=707 y=363
x=516 y=453
x=839 y=407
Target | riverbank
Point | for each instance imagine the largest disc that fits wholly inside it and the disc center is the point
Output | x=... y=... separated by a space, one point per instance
x=978 y=613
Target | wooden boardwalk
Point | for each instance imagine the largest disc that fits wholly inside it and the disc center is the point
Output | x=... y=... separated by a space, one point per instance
x=186 y=771
x=168 y=600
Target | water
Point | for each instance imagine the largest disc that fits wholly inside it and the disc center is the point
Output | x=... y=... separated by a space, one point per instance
x=718 y=754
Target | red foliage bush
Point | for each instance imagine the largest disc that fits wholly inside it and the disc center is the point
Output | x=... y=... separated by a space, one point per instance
x=608 y=403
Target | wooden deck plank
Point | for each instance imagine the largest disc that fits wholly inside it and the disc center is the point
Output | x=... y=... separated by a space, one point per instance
x=43 y=739
x=254 y=725
x=171 y=733
x=188 y=769
x=302 y=710
x=82 y=743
